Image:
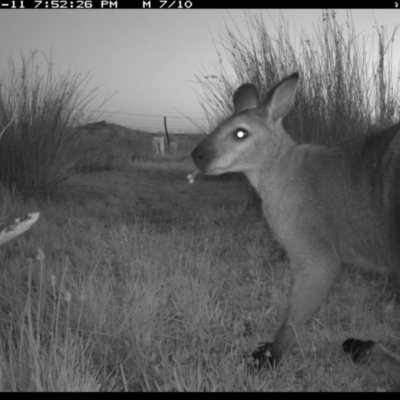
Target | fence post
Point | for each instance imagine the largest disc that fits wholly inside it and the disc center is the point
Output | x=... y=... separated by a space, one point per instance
x=166 y=132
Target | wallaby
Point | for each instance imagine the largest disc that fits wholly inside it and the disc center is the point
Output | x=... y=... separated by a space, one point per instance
x=325 y=205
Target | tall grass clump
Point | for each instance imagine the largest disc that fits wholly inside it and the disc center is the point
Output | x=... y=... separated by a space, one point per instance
x=40 y=146
x=342 y=90
x=40 y=349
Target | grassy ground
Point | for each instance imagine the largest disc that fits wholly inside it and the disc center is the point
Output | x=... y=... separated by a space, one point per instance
x=145 y=282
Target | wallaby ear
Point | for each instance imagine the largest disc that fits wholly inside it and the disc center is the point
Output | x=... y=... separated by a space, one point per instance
x=246 y=97
x=280 y=99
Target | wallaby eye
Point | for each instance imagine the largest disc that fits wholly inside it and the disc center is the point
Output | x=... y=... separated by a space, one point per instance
x=240 y=134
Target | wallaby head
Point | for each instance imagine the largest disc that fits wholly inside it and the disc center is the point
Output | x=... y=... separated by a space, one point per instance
x=252 y=135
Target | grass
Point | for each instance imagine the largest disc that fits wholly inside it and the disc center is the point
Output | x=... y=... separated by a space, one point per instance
x=115 y=146
x=343 y=89
x=145 y=282
x=39 y=112
x=133 y=279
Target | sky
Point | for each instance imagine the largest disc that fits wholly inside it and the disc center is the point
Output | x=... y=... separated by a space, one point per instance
x=148 y=59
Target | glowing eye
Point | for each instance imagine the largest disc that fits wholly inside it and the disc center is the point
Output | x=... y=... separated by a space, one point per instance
x=241 y=134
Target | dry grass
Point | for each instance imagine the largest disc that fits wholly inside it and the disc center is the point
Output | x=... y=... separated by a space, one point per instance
x=343 y=89
x=148 y=283
x=39 y=111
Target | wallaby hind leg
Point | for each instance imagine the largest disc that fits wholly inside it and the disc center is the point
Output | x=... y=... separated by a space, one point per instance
x=312 y=280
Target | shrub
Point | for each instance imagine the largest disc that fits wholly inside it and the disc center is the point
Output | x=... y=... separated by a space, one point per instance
x=41 y=146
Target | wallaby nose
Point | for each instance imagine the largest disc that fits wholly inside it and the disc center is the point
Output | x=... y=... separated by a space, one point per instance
x=198 y=156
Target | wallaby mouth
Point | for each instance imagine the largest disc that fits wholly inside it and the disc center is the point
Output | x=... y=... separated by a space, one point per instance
x=199 y=158
x=204 y=159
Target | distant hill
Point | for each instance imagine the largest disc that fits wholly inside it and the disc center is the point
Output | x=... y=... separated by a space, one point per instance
x=111 y=145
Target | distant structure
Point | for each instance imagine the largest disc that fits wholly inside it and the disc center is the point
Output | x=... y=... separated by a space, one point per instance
x=158 y=145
